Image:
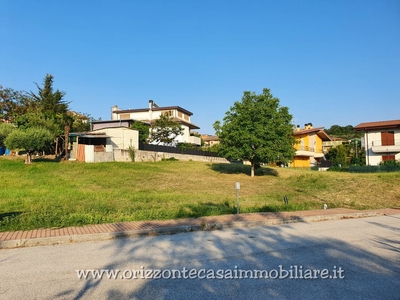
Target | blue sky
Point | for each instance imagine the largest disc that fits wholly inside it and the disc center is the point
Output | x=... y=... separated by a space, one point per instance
x=330 y=62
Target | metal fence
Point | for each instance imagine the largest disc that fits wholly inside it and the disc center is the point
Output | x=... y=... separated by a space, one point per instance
x=177 y=150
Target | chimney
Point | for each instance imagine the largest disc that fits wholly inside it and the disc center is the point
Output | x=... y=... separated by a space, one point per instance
x=308 y=126
x=150 y=104
x=298 y=128
x=113 y=114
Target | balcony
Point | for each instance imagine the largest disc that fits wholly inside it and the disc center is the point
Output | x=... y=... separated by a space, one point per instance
x=194 y=140
x=378 y=148
x=309 y=152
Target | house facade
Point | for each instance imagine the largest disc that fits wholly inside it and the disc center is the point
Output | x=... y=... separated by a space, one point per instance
x=210 y=140
x=327 y=145
x=153 y=112
x=381 y=141
x=120 y=137
x=309 y=149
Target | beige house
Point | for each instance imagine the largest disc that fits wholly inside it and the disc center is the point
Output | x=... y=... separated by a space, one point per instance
x=153 y=112
x=326 y=145
x=210 y=140
x=120 y=137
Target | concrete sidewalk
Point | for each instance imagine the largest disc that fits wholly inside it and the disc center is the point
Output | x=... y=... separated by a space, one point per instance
x=152 y=228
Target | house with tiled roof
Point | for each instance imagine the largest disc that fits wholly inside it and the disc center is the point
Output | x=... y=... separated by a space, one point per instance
x=153 y=112
x=335 y=141
x=210 y=140
x=381 y=141
x=309 y=150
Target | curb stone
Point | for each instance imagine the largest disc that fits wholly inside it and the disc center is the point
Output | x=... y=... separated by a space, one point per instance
x=203 y=226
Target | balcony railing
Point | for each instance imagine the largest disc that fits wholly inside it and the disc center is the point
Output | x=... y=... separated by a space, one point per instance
x=378 y=143
x=311 y=149
x=194 y=140
x=377 y=147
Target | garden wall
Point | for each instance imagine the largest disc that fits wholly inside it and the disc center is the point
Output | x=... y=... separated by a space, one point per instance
x=143 y=155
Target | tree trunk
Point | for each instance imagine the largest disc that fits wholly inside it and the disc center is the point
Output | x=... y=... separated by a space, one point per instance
x=28 y=159
x=252 y=169
x=56 y=151
x=66 y=131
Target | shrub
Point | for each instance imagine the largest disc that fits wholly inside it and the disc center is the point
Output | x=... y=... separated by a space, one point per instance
x=390 y=162
x=169 y=159
x=366 y=169
x=5 y=130
x=132 y=153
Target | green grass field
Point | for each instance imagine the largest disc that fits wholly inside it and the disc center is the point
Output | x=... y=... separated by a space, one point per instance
x=49 y=194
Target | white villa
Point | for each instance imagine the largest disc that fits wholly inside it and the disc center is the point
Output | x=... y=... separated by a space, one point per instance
x=381 y=141
x=125 y=117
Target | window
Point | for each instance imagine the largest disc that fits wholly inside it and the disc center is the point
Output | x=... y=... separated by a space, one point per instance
x=124 y=116
x=168 y=113
x=387 y=138
x=388 y=157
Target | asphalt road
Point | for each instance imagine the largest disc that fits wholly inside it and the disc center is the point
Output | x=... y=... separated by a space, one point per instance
x=366 y=252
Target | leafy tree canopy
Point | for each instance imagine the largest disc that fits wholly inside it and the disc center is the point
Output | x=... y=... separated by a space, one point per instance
x=51 y=122
x=5 y=130
x=44 y=109
x=50 y=101
x=30 y=139
x=345 y=132
x=80 y=121
x=337 y=155
x=164 y=130
x=144 y=131
x=54 y=109
x=257 y=129
x=14 y=103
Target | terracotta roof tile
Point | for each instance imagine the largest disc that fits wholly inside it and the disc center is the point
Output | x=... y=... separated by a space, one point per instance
x=379 y=124
x=318 y=130
x=303 y=131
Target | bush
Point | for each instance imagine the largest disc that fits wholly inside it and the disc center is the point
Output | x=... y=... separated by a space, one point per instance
x=338 y=169
x=5 y=130
x=366 y=169
x=132 y=153
x=169 y=159
x=390 y=162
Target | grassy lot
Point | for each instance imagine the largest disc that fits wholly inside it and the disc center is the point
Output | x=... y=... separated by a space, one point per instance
x=51 y=194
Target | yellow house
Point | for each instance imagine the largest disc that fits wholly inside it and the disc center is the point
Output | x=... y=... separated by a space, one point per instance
x=309 y=146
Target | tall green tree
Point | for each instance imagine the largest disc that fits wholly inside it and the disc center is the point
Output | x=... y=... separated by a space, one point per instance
x=256 y=129
x=52 y=105
x=50 y=101
x=164 y=130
